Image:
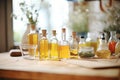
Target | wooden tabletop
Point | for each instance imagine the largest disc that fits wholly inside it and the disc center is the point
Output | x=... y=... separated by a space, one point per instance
x=19 y=68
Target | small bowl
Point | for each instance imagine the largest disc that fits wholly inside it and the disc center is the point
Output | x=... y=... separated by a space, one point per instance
x=86 y=52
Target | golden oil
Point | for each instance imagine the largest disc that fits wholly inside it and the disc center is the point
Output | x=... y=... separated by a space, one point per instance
x=54 y=47
x=44 y=47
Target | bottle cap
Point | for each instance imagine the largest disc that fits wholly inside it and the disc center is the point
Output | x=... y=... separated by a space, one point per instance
x=44 y=32
x=74 y=34
x=54 y=32
x=82 y=36
x=32 y=26
x=63 y=30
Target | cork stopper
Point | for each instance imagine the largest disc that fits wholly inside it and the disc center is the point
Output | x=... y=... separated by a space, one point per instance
x=54 y=32
x=63 y=30
x=32 y=26
x=74 y=34
x=44 y=32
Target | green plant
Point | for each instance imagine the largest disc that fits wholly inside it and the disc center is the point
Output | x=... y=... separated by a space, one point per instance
x=29 y=12
x=113 y=20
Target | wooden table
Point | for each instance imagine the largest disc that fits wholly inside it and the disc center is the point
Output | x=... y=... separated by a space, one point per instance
x=19 y=68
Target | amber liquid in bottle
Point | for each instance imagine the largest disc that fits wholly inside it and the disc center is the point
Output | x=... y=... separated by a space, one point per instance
x=64 y=48
x=43 y=43
x=54 y=47
x=91 y=41
x=33 y=40
x=73 y=46
x=82 y=42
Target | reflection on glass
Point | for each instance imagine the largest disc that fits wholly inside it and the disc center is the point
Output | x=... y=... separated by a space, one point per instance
x=28 y=51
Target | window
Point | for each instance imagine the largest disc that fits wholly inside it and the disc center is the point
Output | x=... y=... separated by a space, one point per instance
x=53 y=14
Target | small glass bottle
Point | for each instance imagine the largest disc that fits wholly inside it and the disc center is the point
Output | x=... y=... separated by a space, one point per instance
x=82 y=42
x=54 y=46
x=64 y=48
x=91 y=41
x=73 y=46
x=43 y=45
x=103 y=51
x=33 y=38
x=112 y=42
x=117 y=47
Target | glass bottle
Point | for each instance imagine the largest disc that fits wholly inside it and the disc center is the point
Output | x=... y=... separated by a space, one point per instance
x=54 y=47
x=112 y=42
x=103 y=51
x=117 y=47
x=74 y=46
x=91 y=41
x=64 y=48
x=82 y=42
x=33 y=38
x=43 y=45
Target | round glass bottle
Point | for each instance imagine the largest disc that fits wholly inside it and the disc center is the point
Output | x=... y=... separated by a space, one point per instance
x=112 y=42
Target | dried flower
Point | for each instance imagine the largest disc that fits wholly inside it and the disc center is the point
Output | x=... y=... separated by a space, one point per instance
x=29 y=12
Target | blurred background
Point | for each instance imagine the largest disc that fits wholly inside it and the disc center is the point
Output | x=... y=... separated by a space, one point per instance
x=81 y=16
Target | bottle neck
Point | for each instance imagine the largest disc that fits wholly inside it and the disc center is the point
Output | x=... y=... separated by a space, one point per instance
x=44 y=35
x=82 y=40
x=63 y=36
x=103 y=41
x=32 y=28
x=32 y=31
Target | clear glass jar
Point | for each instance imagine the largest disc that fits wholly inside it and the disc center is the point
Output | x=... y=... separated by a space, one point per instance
x=91 y=40
x=112 y=42
x=103 y=51
x=86 y=52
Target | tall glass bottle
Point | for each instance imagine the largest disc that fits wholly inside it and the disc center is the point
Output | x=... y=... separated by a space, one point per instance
x=54 y=47
x=33 y=38
x=112 y=42
x=73 y=46
x=43 y=45
x=64 y=48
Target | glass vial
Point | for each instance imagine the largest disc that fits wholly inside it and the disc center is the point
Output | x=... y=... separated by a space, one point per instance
x=91 y=41
x=73 y=46
x=43 y=45
x=64 y=48
x=82 y=42
x=103 y=51
x=112 y=42
x=54 y=47
x=33 y=38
